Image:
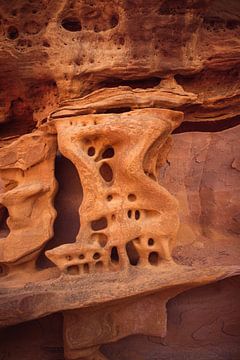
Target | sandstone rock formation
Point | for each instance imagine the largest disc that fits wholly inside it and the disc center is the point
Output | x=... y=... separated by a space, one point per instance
x=105 y=218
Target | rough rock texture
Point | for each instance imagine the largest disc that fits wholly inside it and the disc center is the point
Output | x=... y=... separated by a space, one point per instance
x=108 y=223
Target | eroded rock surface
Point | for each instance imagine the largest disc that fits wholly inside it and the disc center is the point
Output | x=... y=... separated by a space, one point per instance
x=105 y=217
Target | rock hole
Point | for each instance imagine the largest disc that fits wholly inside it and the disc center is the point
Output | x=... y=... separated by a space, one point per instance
x=4 y=215
x=153 y=258
x=137 y=214
x=96 y=256
x=12 y=32
x=68 y=258
x=114 y=20
x=132 y=253
x=100 y=238
x=73 y=270
x=99 y=224
x=113 y=217
x=14 y=12
x=86 y=268
x=109 y=198
x=143 y=83
x=119 y=110
x=106 y=172
x=67 y=202
x=71 y=24
x=114 y=255
x=99 y=265
x=81 y=257
x=91 y=151
x=150 y=242
x=129 y=214
x=46 y=43
x=108 y=153
x=132 y=197
x=3 y=270
x=233 y=24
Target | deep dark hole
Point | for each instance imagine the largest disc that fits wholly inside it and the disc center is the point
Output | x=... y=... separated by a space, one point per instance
x=91 y=151
x=18 y=122
x=3 y=270
x=208 y=126
x=106 y=172
x=108 y=153
x=12 y=32
x=114 y=255
x=137 y=214
x=132 y=253
x=4 y=215
x=114 y=20
x=153 y=258
x=129 y=214
x=150 y=242
x=67 y=202
x=99 y=224
x=134 y=84
x=119 y=110
x=233 y=24
x=71 y=24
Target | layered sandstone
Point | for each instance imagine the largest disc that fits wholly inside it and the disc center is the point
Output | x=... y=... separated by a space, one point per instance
x=105 y=218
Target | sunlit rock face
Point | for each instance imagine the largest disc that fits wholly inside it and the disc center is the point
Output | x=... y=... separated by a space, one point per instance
x=119 y=179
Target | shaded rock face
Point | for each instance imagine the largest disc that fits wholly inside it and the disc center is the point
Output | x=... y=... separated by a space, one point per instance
x=55 y=50
x=107 y=222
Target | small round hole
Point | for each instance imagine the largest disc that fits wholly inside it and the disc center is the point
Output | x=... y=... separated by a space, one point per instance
x=113 y=217
x=72 y=24
x=137 y=214
x=108 y=153
x=91 y=151
x=96 y=256
x=68 y=257
x=12 y=32
x=109 y=198
x=132 y=197
x=81 y=257
x=150 y=242
x=129 y=214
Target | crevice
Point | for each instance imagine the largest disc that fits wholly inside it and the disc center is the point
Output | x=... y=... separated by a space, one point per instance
x=143 y=83
x=119 y=110
x=207 y=126
x=4 y=215
x=67 y=202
